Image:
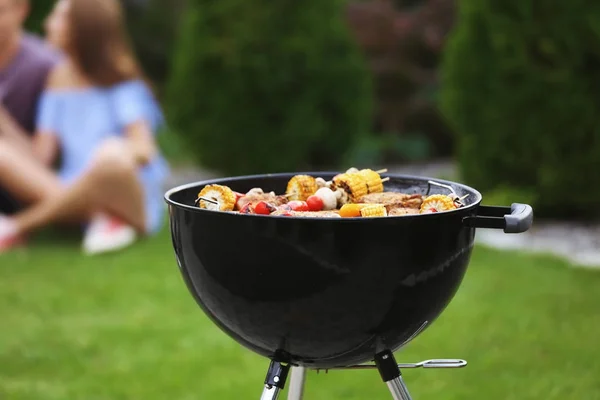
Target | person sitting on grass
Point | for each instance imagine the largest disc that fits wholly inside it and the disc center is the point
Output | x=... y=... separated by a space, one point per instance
x=99 y=112
x=25 y=62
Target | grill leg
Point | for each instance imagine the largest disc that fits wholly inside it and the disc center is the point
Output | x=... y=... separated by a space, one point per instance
x=297 y=381
x=270 y=393
x=390 y=373
x=275 y=381
x=398 y=389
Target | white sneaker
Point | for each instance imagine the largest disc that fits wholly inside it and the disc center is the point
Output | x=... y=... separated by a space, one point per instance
x=105 y=234
x=9 y=236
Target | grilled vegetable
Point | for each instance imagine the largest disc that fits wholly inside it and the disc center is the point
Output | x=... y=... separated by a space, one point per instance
x=297 y=205
x=359 y=183
x=224 y=196
x=264 y=208
x=372 y=180
x=437 y=203
x=373 y=211
x=315 y=203
x=352 y=210
x=352 y=184
x=328 y=198
x=341 y=197
x=321 y=183
x=301 y=187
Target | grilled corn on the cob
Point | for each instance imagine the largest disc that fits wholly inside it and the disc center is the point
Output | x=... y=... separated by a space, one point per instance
x=223 y=195
x=372 y=180
x=358 y=183
x=373 y=211
x=352 y=184
x=301 y=187
x=437 y=203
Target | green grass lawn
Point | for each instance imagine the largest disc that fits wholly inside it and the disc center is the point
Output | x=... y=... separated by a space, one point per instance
x=124 y=327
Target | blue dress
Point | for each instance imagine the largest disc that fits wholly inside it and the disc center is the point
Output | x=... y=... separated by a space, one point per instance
x=83 y=119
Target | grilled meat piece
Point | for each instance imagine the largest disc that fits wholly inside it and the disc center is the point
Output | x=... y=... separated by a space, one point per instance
x=395 y=210
x=257 y=198
x=316 y=214
x=413 y=202
x=307 y=214
x=393 y=198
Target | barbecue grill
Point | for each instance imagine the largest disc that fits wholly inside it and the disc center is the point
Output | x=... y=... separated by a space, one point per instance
x=321 y=294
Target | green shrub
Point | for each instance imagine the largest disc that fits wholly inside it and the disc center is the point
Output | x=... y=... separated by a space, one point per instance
x=266 y=86
x=39 y=11
x=520 y=88
x=152 y=25
x=403 y=41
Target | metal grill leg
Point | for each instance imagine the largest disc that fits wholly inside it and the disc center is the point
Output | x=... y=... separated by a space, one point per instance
x=271 y=393
x=390 y=373
x=297 y=382
x=398 y=389
x=275 y=381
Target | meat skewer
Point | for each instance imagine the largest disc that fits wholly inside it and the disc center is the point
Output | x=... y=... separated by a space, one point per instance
x=437 y=203
x=301 y=187
x=223 y=198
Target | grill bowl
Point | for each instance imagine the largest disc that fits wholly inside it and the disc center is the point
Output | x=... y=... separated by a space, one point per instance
x=325 y=293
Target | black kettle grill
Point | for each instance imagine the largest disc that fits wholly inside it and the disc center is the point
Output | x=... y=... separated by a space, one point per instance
x=320 y=294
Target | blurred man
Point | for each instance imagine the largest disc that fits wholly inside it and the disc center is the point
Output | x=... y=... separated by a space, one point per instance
x=25 y=62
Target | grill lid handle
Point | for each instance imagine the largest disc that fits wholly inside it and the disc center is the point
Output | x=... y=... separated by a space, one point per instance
x=517 y=218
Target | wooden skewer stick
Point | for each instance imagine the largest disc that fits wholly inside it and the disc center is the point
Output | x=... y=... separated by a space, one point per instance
x=382 y=171
x=385 y=180
x=460 y=201
x=206 y=200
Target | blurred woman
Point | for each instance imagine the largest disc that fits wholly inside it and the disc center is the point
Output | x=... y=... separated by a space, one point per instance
x=99 y=115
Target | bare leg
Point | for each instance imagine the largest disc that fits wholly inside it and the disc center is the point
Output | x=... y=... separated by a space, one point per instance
x=12 y=132
x=110 y=185
x=24 y=178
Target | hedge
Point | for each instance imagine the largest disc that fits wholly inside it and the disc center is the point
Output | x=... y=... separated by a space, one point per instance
x=260 y=86
x=152 y=25
x=520 y=89
x=403 y=41
x=39 y=11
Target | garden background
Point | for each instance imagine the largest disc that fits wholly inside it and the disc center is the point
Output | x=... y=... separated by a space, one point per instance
x=503 y=92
